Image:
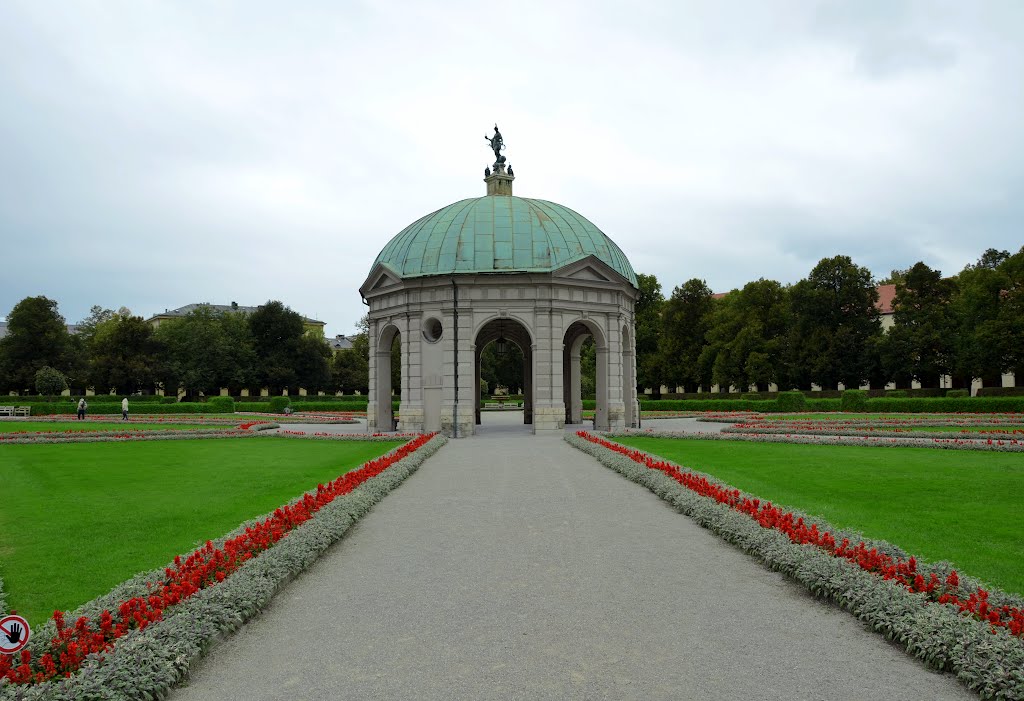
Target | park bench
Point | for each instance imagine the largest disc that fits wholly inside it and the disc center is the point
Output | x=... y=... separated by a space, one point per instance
x=15 y=410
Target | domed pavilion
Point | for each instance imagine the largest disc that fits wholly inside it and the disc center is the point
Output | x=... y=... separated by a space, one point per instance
x=503 y=269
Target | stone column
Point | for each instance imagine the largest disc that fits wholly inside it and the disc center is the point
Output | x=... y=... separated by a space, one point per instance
x=575 y=384
x=549 y=410
x=601 y=411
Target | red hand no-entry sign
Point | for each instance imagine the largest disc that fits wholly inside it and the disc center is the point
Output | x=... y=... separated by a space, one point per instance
x=14 y=632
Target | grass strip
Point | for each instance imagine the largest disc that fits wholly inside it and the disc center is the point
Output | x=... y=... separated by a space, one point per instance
x=80 y=518
x=961 y=506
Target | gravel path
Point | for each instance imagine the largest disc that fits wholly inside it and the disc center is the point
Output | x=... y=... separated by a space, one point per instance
x=516 y=567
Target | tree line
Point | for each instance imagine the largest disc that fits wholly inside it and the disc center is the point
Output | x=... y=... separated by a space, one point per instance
x=823 y=330
x=826 y=329
x=200 y=353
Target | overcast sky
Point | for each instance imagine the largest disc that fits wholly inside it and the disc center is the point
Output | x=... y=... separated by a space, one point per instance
x=156 y=154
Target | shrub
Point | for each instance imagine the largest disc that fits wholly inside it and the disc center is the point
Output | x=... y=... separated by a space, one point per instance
x=221 y=405
x=752 y=396
x=953 y=393
x=277 y=405
x=1001 y=392
x=854 y=400
x=791 y=401
x=896 y=393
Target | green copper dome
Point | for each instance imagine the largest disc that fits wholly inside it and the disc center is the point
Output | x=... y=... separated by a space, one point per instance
x=497 y=234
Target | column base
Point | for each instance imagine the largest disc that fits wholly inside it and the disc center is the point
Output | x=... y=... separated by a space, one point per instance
x=548 y=418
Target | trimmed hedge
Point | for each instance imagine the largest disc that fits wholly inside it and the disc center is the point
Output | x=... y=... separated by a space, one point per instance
x=28 y=400
x=221 y=405
x=853 y=400
x=1001 y=392
x=946 y=405
x=110 y=408
x=791 y=401
x=277 y=405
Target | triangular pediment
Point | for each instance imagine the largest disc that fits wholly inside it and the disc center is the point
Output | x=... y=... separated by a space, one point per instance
x=588 y=273
x=589 y=269
x=380 y=278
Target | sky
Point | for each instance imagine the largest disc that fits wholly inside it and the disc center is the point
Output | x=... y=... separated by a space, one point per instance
x=157 y=154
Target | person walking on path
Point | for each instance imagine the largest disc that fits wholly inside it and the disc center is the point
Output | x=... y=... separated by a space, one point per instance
x=124 y=409
x=82 y=406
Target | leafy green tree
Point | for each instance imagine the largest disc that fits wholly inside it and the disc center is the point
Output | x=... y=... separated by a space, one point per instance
x=195 y=353
x=1007 y=330
x=502 y=369
x=977 y=345
x=350 y=371
x=240 y=369
x=286 y=356
x=36 y=337
x=747 y=336
x=924 y=328
x=122 y=354
x=834 y=320
x=50 y=382
x=648 y=310
x=686 y=319
x=312 y=363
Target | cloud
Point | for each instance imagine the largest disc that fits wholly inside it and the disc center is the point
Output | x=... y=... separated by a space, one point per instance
x=161 y=153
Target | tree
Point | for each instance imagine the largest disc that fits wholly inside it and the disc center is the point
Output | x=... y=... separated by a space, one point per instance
x=976 y=304
x=834 y=318
x=312 y=363
x=647 y=315
x=747 y=335
x=195 y=353
x=36 y=337
x=686 y=319
x=1006 y=331
x=122 y=354
x=502 y=369
x=50 y=382
x=924 y=329
x=276 y=333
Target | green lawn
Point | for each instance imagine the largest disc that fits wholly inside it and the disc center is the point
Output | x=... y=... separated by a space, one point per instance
x=961 y=506
x=960 y=429
x=54 y=426
x=78 y=519
x=834 y=416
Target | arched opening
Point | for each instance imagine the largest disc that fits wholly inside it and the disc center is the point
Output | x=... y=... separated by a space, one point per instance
x=574 y=371
x=503 y=354
x=388 y=356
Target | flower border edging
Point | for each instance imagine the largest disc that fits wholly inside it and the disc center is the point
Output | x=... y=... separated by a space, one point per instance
x=147 y=663
x=990 y=663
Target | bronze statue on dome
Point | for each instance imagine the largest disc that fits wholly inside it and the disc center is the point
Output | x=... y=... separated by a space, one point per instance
x=497 y=143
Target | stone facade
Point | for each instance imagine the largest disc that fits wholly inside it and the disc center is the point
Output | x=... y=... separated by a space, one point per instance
x=546 y=314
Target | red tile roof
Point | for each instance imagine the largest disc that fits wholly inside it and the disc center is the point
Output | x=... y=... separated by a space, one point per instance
x=886 y=295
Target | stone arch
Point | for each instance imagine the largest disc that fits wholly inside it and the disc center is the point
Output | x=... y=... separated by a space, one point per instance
x=517 y=331
x=385 y=414
x=572 y=341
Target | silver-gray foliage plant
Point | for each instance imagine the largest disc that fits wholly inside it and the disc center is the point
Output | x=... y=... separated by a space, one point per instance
x=990 y=663
x=145 y=664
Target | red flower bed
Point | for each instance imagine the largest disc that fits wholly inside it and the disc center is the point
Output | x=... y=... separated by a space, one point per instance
x=897 y=570
x=205 y=567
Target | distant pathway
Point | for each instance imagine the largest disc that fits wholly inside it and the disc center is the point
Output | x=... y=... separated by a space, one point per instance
x=516 y=567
